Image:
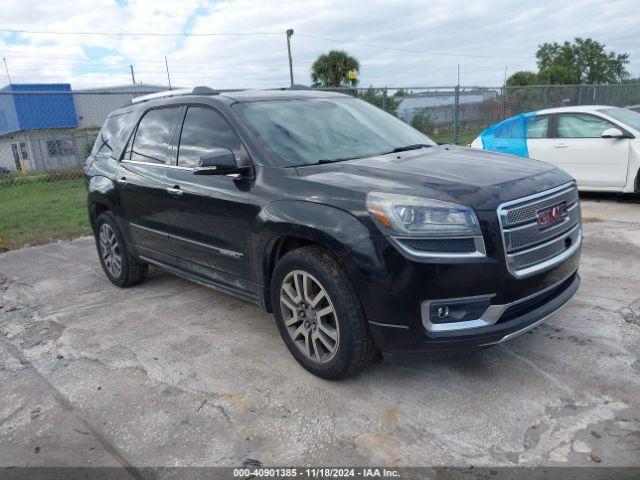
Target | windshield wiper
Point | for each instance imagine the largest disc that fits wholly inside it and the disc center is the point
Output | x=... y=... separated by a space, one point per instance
x=333 y=160
x=415 y=146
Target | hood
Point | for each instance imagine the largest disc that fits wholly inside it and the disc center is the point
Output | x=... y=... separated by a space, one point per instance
x=476 y=178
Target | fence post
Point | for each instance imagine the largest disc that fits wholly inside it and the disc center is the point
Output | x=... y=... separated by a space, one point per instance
x=580 y=94
x=456 y=105
x=545 y=96
x=502 y=102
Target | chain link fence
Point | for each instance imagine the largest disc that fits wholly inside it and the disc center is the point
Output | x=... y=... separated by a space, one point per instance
x=47 y=131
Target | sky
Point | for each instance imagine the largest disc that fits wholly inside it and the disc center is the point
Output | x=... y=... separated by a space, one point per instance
x=398 y=43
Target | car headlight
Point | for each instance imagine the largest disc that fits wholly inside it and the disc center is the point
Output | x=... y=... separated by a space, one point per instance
x=405 y=215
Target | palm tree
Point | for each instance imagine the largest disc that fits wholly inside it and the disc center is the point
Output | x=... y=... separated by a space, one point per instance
x=331 y=70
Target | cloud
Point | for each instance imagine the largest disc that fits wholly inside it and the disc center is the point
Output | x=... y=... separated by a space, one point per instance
x=440 y=30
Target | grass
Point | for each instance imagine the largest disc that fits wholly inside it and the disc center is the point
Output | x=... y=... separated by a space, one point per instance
x=464 y=138
x=38 y=209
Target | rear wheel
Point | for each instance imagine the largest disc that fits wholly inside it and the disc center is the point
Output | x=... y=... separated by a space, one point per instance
x=319 y=315
x=118 y=265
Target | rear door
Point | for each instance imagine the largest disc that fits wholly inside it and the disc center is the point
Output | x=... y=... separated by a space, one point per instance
x=579 y=149
x=539 y=144
x=210 y=215
x=140 y=182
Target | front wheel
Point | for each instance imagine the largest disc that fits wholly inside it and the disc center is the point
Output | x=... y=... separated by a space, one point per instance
x=319 y=315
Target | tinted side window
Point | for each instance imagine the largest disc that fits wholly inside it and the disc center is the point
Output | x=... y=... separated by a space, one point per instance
x=151 y=143
x=578 y=125
x=538 y=128
x=112 y=136
x=204 y=130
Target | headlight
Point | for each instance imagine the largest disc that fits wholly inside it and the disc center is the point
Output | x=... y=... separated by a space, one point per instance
x=404 y=215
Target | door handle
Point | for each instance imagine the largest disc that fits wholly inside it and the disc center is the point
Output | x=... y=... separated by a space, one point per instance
x=561 y=145
x=122 y=181
x=175 y=190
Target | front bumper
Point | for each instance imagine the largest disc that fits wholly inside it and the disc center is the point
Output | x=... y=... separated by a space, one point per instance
x=396 y=291
x=517 y=318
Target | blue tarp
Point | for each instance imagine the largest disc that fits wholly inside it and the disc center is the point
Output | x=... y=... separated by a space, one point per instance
x=509 y=136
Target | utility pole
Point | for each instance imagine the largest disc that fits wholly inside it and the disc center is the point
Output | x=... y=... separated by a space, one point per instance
x=7 y=69
x=133 y=77
x=289 y=33
x=167 y=65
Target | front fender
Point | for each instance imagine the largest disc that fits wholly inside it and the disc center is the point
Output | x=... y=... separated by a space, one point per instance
x=335 y=229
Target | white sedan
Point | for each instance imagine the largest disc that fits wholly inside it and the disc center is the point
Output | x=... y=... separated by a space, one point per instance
x=598 y=145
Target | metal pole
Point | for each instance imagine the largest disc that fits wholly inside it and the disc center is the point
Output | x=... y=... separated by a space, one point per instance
x=166 y=63
x=384 y=99
x=7 y=69
x=455 y=109
x=133 y=77
x=504 y=92
x=289 y=33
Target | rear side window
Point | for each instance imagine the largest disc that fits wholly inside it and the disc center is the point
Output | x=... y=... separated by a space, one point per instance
x=153 y=136
x=538 y=128
x=204 y=130
x=578 y=125
x=112 y=136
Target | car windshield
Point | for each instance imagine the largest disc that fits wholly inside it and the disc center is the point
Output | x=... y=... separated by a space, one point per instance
x=624 y=115
x=317 y=130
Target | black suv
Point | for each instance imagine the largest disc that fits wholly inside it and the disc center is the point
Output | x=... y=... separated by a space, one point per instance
x=358 y=232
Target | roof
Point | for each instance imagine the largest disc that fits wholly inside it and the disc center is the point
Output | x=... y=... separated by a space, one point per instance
x=252 y=95
x=574 y=109
x=21 y=108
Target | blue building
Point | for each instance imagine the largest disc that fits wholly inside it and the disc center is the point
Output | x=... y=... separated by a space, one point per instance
x=48 y=126
x=36 y=128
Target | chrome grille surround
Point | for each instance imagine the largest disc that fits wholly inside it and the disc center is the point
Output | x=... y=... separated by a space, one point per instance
x=529 y=249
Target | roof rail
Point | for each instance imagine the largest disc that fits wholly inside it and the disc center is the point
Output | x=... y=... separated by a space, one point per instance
x=176 y=93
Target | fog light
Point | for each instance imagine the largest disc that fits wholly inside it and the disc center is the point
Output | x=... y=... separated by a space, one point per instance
x=458 y=310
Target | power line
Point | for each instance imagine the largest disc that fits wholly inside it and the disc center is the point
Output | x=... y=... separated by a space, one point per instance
x=139 y=34
x=408 y=50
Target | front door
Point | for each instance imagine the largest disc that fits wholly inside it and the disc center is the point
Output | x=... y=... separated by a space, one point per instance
x=593 y=161
x=140 y=183
x=210 y=215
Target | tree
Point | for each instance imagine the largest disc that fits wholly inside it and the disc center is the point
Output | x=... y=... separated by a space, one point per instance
x=583 y=61
x=422 y=121
x=377 y=98
x=522 y=79
x=331 y=70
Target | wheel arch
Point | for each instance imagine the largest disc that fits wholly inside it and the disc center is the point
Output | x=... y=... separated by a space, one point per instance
x=100 y=198
x=328 y=227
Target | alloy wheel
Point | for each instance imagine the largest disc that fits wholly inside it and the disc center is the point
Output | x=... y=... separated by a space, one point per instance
x=309 y=316
x=110 y=250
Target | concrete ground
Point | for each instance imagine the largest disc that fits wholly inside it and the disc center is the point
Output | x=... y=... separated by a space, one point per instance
x=170 y=373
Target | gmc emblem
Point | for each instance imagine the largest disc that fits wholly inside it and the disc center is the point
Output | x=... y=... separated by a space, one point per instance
x=551 y=216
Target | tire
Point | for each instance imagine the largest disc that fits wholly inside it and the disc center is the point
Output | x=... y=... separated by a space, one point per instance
x=118 y=264
x=334 y=344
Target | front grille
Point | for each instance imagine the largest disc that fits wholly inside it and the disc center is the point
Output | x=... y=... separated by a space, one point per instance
x=530 y=248
x=523 y=213
x=442 y=244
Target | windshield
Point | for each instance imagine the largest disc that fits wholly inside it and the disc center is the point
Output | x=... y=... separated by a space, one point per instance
x=624 y=115
x=309 y=131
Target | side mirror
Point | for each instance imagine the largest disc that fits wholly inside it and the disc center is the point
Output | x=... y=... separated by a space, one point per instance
x=613 y=133
x=220 y=161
